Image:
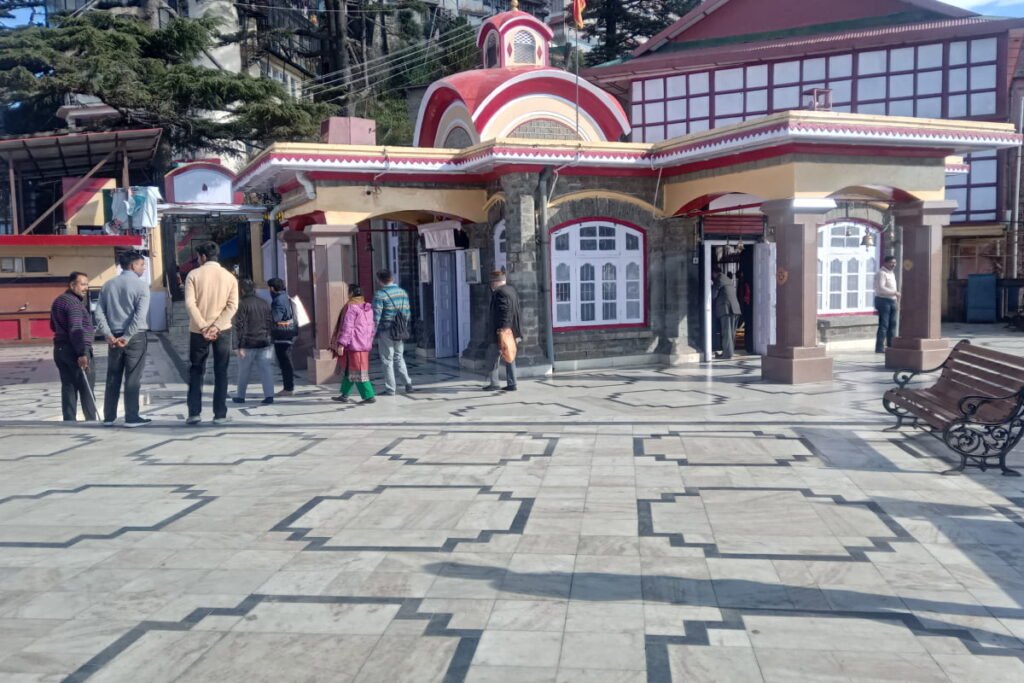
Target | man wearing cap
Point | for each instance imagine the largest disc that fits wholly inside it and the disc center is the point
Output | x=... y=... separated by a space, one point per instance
x=503 y=315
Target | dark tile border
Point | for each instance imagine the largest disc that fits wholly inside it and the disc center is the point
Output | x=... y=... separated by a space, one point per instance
x=567 y=411
x=152 y=460
x=639 y=450
x=645 y=526
x=190 y=494
x=389 y=450
x=485 y=535
x=659 y=668
x=437 y=626
x=715 y=399
x=83 y=439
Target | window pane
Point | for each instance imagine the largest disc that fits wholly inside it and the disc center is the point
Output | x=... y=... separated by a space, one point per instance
x=871 y=62
x=638 y=91
x=786 y=98
x=699 y=107
x=958 y=195
x=588 y=245
x=698 y=84
x=983 y=50
x=958 y=53
x=608 y=311
x=929 y=56
x=983 y=198
x=637 y=114
x=874 y=108
x=654 y=89
x=787 y=72
x=607 y=245
x=929 y=83
x=729 y=104
x=654 y=133
x=563 y=291
x=587 y=291
x=562 y=242
x=632 y=244
x=633 y=271
x=757 y=76
x=930 y=108
x=983 y=171
x=729 y=79
x=957 y=80
x=633 y=310
x=901 y=59
x=562 y=272
x=675 y=130
x=870 y=89
x=608 y=272
x=632 y=289
x=901 y=86
x=957 y=106
x=699 y=126
x=676 y=110
x=654 y=112
x=983 y=103
x=901 y=108
x=814 y=69
x=587 y=275
x=840 y=66
x=983 y=77
x=840 y=90
x=563 y=313
x=587 y=312
x=757 y=100
x=675 y=86
x=606 y=231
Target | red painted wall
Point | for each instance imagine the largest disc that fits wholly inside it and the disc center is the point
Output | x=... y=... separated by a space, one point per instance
x=740 y=17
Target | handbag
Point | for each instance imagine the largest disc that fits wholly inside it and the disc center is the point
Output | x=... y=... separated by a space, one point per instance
x=299 y=313
x=399 y=324
x=507 y=345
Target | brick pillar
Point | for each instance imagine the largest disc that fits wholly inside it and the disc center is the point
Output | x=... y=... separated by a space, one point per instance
x=796 y=358
x=919 y=345
x=524 y=269
x=331 y=271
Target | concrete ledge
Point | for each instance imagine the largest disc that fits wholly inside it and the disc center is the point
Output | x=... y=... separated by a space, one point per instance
x=649 y=359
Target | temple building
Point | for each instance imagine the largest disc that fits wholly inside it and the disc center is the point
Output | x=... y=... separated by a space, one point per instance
x=610 y=198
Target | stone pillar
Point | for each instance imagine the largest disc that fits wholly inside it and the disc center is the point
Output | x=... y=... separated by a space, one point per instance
x=481 y=236
x=296 y=247
x=919 y=345
x=332 y=269
x=796 y=358
x=524 y=269
x=676 y=250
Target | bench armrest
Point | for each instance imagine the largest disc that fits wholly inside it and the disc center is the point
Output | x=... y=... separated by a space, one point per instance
x=901 y=378
x=970 y=405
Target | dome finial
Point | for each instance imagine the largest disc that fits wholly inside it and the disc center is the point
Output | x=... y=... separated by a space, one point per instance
x=515 y=5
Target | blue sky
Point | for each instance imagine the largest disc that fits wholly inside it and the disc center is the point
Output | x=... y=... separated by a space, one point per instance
x=999 y=8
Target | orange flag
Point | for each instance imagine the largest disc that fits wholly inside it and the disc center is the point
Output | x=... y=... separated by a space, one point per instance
x=577 y=12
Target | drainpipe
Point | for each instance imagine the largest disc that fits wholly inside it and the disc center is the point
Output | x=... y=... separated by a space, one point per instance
x=545 y=185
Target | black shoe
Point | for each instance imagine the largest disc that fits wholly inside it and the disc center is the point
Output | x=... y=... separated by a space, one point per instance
x=267 y=401
x=340 y=398
x=368 y=400
x=490 y=387
x=388 y=393
x=137 y=422
x=510 y=387
x=879 y=350
x=409 y=389
x=235 y=399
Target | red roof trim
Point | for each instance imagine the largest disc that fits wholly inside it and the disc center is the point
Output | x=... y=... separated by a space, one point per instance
x=70 y=241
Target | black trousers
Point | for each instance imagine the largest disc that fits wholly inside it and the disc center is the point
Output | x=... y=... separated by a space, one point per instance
x=284 y=361
x=198 y=351
x=886 y=322
x=127 y=364
x=73 y=382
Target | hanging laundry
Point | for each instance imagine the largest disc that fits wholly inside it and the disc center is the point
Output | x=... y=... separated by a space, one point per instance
x=134 y=208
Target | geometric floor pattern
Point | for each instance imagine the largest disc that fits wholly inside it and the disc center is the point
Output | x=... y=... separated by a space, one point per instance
x=659 y=525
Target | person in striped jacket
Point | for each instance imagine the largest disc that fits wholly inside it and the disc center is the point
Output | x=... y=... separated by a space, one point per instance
x=73 y=332
x=387 y=302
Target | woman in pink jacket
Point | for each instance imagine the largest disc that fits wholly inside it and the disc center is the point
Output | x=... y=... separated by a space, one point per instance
x=353 y=339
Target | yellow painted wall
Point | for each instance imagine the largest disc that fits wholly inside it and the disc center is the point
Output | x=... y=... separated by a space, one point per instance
x=351 y=204
x=97 y=262
x=92 y=212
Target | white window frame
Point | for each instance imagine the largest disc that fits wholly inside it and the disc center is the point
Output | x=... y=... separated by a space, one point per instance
x=865 y=269
x=626 y=295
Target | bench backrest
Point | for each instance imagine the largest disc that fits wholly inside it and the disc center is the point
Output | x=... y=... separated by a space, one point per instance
x=973 y=370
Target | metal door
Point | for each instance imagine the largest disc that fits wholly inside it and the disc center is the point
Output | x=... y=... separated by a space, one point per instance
x=764 y=297
x=446 y=329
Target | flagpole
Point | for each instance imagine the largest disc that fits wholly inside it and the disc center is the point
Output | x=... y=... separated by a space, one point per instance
x=576 y=59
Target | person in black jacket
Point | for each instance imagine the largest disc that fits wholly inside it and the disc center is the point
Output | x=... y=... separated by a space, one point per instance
x=71 y=322
x=253 y=326
x=503 y=315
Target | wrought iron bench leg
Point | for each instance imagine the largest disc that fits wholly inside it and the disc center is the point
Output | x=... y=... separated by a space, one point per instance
x=1007 y=471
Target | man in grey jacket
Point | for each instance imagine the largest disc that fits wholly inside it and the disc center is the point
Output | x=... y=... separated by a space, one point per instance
x=727 y=310
x=122 y=318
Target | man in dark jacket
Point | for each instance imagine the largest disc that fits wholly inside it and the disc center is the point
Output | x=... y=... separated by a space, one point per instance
x=727 y=310
x=285 y=331
x=503 y=315
x=253 y=341
x=73 y=332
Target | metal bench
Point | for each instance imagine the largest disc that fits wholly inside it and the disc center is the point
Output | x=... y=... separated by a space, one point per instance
x=976 y=407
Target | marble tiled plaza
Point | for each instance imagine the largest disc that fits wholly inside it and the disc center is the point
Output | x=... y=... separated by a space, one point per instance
x=689 y=524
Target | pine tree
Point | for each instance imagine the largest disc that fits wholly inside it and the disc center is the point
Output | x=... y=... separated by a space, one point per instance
x=620 y=26
x=150 y=77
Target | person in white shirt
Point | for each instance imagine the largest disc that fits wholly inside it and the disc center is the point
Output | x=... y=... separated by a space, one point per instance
x=887 y=295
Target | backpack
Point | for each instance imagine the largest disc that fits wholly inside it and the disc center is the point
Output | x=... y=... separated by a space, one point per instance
x=399 y=324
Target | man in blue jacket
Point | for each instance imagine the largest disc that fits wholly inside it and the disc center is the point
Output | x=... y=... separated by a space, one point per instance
x=284 y=332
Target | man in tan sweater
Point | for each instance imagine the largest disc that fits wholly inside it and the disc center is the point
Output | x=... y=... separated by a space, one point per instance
x=211 y=298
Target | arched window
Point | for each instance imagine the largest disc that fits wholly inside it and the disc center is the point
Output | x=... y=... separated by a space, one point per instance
x=491 y=51
x=598 y=274
x=524 y=47
x=500 y=247
x=846 y=270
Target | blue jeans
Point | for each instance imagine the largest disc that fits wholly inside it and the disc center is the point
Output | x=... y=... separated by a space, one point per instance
x=886 y=322
x=261 y=358
x=392 y=355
